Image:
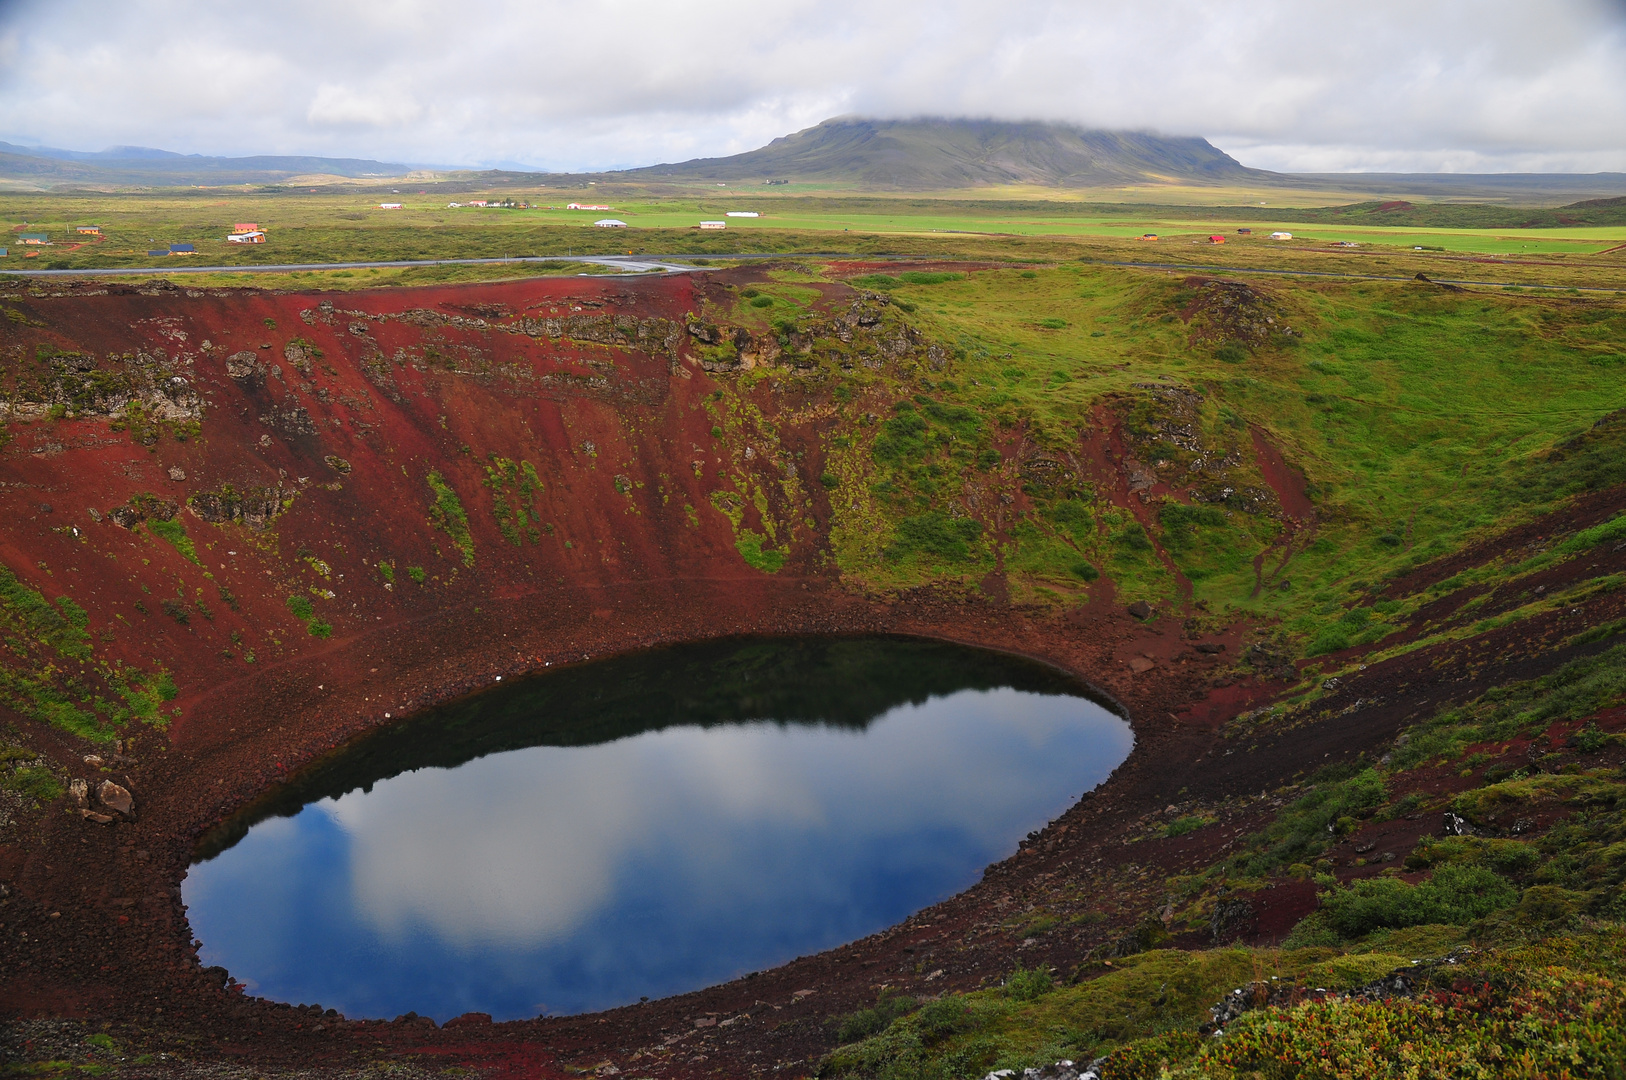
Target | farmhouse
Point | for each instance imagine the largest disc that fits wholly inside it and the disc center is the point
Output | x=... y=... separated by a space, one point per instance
x=389 y=206
x=610 y=223
x=2 y=253
x=1147 y=236
x=88 y=230
x=182 y=249
x=1245 y=232
x=245 y=227
x=1216 y=239
x=1281 y=236
x=587 y=206
x=714 y=224
x=742 y=213
x=246 y=238
x=28 y=238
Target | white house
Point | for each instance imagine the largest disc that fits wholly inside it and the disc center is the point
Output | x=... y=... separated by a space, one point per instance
x=389 y=206
x=246 y=238
x=1281 y=236
x=742 y=213
x=610 y=223
x=714 y=224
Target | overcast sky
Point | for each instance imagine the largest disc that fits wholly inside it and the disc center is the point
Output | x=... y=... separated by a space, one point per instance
x=1299 y=85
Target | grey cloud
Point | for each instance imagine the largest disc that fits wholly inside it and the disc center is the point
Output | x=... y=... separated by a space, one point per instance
x=1385 y=84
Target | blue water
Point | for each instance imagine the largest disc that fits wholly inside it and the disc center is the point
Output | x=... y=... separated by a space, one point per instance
x=575 y=877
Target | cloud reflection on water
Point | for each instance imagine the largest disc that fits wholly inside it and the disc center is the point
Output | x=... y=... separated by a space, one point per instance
x=584 y=876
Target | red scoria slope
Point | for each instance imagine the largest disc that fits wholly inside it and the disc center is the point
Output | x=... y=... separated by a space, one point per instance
x=296 y=440
x=183 y=463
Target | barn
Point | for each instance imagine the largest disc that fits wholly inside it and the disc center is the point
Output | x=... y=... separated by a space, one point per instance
x=610 y=223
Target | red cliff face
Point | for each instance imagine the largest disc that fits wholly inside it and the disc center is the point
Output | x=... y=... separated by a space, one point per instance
x=227 y=481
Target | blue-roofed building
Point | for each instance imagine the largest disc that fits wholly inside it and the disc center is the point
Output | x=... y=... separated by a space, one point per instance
x=2 y=253
x=34 y=238
x=182 y=249
x=158 y=251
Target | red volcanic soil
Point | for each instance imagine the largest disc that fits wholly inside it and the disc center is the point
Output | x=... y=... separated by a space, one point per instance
x=340 y=406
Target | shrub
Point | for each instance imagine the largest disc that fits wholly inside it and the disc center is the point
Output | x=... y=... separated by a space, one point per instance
x=174 y=533
x=34 y=783
x=927 y=277
x=416 y=572
x=301 y=607
x=1132 y=537
x=762 y=302
x=1454 y=895
x=935 y=533
x=1053 y=324
x=1181 y=826
x=1612 y=530
x=950 y=1015
x=1231 y=353
x=63 y=627
x=1181 y=522
x=1300 y=831
x=1029 y=984
x=872 y=1021
x=902 y=438
x=446 y=513
x=1332 y=639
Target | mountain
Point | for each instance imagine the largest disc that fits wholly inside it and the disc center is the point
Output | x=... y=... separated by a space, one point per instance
x=146 y=167
x=934 y=154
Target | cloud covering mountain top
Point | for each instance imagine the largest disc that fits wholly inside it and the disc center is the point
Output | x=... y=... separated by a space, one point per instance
x=1456 y=85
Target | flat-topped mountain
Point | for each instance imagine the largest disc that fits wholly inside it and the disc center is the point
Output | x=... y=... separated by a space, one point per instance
x=931 y=153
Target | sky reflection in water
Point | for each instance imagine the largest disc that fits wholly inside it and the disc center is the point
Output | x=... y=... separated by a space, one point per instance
x=578 y=877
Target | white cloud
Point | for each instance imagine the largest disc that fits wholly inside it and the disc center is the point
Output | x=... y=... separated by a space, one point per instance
x=1482 y=84
x=341 y=106
x=548 y=832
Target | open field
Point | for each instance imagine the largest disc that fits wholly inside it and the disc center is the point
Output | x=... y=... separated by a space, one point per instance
x=325 y=227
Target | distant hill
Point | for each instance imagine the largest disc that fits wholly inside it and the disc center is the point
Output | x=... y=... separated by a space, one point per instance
x=938 y=154
x=143 y=166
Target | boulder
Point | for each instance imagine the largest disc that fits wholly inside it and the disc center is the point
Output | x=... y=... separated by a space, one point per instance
x=79 y=792
x=115 y=797
x=245 y=366
x=1140 y=609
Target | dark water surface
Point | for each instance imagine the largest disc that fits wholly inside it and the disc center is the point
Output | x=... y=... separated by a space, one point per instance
x=644 y=826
